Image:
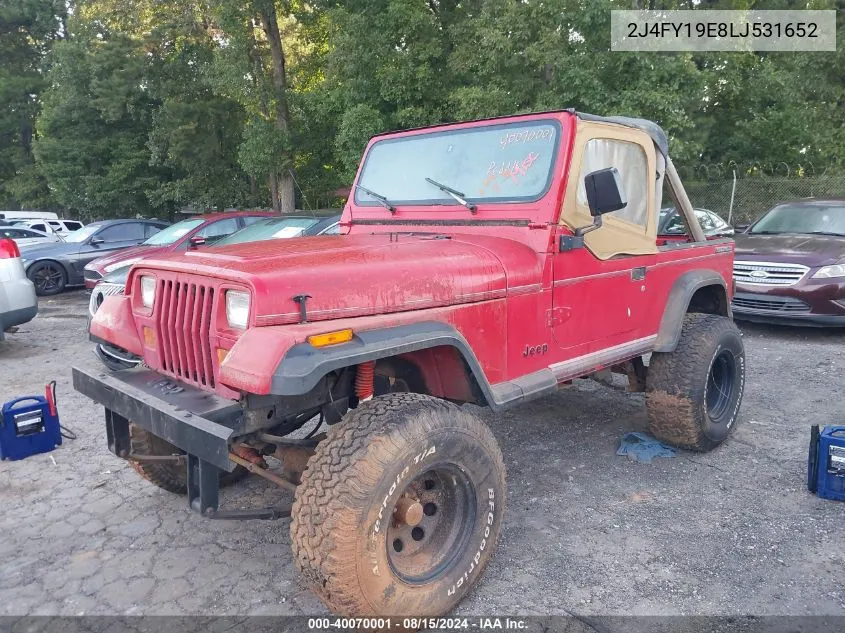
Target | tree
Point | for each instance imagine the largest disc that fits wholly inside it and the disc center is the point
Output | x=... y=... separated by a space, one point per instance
x=94 y=125
x=28 y=29
x=252 y=70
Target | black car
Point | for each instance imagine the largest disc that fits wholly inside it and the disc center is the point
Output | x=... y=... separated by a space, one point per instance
x=52 y=267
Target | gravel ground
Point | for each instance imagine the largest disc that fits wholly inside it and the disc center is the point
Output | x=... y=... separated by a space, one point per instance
x=732 y=532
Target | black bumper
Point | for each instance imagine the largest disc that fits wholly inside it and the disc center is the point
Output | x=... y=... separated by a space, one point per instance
x=198 y=422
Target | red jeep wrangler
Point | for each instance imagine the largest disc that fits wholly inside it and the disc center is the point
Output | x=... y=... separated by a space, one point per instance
x=486 y=262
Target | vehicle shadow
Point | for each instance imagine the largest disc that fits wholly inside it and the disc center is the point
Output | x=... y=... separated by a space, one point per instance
x=793 y=332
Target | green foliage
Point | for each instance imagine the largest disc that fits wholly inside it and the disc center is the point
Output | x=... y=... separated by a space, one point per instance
x=142 y=106
x=27 y=30
x=93 y=128
x=264 y=148
x=358 y=124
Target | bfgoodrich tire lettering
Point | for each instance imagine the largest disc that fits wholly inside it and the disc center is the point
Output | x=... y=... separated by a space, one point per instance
x=345 y=526
x=693 y=394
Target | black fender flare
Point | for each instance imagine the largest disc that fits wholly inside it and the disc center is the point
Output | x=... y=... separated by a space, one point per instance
x=682 y=292
x=302 y=367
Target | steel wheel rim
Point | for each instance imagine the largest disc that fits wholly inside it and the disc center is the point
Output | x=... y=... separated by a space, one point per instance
x=721 y=380
x=47 y=278
x=422 y=552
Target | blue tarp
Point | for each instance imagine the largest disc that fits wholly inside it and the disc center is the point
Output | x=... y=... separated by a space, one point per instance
x=640 y=447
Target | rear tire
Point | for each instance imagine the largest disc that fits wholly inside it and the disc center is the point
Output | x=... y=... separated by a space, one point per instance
x=400 y=508
x=693 y=394
x=49 y=278
x=169 y=476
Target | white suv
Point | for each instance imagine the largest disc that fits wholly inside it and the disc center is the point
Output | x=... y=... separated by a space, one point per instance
x=18 y=303
x=59 y=227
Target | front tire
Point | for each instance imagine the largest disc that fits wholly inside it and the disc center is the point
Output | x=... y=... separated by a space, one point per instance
x=400 y=508
x=693 y=394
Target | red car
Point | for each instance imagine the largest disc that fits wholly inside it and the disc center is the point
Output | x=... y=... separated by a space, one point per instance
x=199 y=230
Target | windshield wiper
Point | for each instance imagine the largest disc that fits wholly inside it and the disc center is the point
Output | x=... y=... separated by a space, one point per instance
x=827 y=233
x=457 y=195
x=382 y=200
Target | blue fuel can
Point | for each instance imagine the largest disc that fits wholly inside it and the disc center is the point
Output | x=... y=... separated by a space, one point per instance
x=826 y=463
x=29 y=425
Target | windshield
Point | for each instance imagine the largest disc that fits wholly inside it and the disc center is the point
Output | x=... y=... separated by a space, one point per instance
x=84 y=233
x=172 y=233
x=268 y=229
x=803 y=218
x=507 y=162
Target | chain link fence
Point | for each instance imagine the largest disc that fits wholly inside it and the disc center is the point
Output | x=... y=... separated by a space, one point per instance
x=742 y=193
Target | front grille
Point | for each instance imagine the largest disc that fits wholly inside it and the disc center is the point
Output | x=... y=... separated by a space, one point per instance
x=768 y=274
x=184 y=322
x=770 y=304
x=100 y=292
x=91 y=275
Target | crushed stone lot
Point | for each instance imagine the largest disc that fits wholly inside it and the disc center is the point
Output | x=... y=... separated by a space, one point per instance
x=731 y=532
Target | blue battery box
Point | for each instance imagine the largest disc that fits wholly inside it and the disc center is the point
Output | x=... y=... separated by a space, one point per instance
x=29 y=425
x=826 y=463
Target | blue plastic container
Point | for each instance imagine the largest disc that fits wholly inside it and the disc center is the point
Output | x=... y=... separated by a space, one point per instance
x=826 y=463
x=29 y=425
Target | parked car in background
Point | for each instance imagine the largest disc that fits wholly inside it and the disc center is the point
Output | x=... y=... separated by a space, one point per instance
x=59 y=227
x=52 y=267
x=790 y=265
x=275 y=227
x=670 y=224
x=197 y=231
x=24 y=236
x=18 y=303
x=284 y=227
x=13 y=216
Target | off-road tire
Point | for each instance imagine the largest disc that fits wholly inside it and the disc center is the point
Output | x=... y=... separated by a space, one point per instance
x=169 y=476
x=343 y=510
x=684 y=408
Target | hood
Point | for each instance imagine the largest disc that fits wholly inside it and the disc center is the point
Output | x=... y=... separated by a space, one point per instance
x=809 y=250
x=44 y=250
x=126 y=254
x=358 y=275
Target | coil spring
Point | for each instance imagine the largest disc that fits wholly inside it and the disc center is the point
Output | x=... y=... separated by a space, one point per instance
x=364 y=380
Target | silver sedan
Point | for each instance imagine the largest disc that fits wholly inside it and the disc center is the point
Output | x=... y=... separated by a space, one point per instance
x=18 y=303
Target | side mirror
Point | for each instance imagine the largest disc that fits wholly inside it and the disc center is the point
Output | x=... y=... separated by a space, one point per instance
x=196 y=242
x=604 y=191
x=604 y=195
x=96 y=241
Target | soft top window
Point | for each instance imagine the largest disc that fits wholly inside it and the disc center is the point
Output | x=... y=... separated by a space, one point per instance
x=508 y=162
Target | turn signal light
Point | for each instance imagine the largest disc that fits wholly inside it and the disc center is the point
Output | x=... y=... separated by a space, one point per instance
x=150 y=339
x=221 y=355
x=330 y=338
